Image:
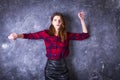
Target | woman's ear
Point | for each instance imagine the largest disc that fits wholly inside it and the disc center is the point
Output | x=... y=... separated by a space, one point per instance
x=51 y=22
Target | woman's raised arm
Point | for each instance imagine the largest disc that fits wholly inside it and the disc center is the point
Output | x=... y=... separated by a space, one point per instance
x=81 y=17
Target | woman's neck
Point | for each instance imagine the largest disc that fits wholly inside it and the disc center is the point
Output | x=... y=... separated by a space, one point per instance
x=56 y=33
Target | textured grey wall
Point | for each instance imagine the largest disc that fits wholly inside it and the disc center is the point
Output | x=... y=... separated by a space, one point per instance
x=96 y=58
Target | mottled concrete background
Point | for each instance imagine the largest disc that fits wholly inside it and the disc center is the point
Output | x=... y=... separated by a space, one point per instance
x=96 y=58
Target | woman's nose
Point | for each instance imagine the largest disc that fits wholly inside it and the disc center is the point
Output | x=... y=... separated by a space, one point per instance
x=58 y=22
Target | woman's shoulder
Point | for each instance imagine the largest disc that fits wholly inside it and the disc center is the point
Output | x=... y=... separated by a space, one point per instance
x=46 y=31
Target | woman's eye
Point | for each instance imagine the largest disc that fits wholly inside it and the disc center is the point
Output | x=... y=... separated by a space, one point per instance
x=55 y=20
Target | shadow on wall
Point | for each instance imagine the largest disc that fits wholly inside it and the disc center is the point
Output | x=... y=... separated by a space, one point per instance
x=72 y=70
x=71 y=67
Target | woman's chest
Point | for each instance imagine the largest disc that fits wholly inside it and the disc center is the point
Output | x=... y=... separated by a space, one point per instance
x=54 y=41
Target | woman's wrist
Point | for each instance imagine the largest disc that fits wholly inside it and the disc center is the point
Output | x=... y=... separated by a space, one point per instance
x=82 y=20
x=20 y=36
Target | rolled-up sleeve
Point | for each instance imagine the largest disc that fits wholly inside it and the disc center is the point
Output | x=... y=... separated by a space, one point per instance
x=77 y=36
x=36 y=35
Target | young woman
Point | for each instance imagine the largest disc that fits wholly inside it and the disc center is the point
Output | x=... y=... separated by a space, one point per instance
x=56 y=40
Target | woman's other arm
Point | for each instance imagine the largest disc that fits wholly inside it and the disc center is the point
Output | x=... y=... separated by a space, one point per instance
x=14 y=36
x=36 y=35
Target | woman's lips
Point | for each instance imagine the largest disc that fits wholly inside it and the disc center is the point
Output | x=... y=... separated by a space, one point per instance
x=57 y=25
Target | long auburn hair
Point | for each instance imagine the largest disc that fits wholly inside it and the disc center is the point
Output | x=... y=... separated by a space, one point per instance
x=62 y=30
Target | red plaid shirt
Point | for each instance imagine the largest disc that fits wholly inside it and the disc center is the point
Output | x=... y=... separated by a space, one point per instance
x=54 y=47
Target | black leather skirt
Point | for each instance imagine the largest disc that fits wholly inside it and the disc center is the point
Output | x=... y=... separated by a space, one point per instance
x=56 y=70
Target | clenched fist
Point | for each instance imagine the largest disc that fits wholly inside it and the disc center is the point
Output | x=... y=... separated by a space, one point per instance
x=12 y=36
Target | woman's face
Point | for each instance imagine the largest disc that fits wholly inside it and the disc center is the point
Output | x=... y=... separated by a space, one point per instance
x=57 y=22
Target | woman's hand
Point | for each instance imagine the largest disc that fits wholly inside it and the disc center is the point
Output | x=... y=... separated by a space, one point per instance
x=12 y=36
x=81 y=15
